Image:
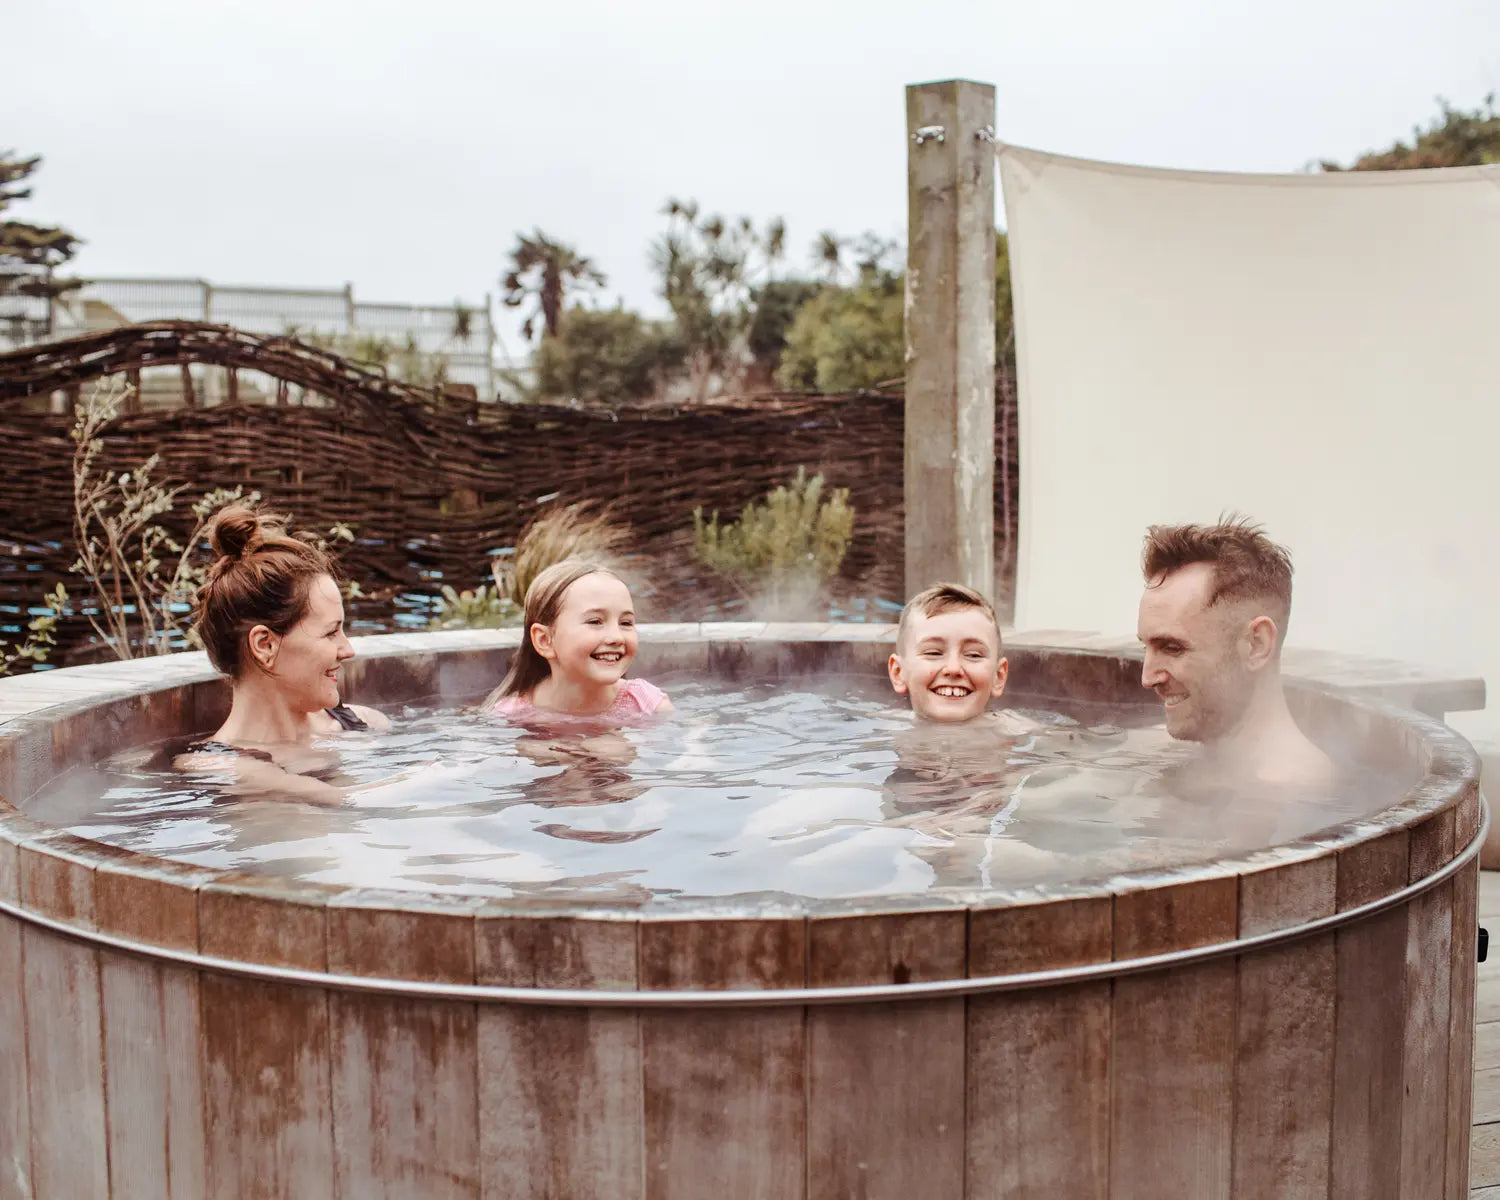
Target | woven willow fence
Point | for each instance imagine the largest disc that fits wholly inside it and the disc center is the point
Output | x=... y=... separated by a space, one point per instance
x=432 y=483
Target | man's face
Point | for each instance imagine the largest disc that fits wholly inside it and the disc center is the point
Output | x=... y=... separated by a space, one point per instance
x=949 y=664
x=1195 y=654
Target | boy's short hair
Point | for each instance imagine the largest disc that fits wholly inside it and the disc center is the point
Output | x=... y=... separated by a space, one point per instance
x=946 y=597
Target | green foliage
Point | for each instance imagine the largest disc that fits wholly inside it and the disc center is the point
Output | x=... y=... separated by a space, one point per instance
x=777 y=303
x=783 y=549
x=545 y=270
x=1005 y=333
x=605 y=357
x=1456 y=138
x=844 y=339
x=406 y=361
x=481 y=609
x=847 y=338
x=40 y=634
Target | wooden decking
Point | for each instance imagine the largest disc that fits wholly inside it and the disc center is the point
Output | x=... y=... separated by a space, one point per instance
x=1484 y=1172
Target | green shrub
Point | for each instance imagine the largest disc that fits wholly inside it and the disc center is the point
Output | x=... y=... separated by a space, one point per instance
x=480 y=609
x=39 y=635
x=783 y=550
x=847 y=338
x=777 y=303
x=605 y=357
x=844 y=339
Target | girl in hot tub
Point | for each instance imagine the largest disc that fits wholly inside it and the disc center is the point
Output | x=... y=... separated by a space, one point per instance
x=271 y=617
x=579 y=639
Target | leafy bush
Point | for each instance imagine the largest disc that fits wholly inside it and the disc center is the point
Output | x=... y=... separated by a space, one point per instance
x=405 y=360
x=481 y=609
x=39 y=634
x=847 y=338
x=1456 y=138
x=844 y=339
x=605 y=357
x=783 y=550
x=777 y=304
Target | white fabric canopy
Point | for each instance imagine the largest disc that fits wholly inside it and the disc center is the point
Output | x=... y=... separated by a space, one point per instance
x=1318 y=352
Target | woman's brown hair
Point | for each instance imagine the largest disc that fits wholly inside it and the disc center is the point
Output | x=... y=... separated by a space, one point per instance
x=262 y=576
x=544 y=600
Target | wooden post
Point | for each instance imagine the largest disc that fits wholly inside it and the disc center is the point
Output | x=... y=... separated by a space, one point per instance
x=210 y=377
x=489 y=351
x=950 y=335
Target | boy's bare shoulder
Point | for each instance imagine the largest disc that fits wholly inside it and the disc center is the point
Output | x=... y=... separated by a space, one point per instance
x=1010 y=723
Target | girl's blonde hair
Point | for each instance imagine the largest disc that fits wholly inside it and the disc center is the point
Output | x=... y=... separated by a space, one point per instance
x=544 y=601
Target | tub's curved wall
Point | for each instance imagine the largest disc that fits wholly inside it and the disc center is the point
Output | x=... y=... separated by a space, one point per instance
x=1333 y=1066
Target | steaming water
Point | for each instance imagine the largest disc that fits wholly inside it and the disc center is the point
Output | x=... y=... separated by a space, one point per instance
x=824 y=791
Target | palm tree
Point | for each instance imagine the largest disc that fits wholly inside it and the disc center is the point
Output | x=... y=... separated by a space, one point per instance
x=546 y=269
x=828 y=254
x=774 y=245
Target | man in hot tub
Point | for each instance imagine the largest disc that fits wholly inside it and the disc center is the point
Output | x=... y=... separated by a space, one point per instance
x=1213 y=620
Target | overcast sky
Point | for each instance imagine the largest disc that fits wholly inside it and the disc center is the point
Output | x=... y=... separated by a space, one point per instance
x=400 y=146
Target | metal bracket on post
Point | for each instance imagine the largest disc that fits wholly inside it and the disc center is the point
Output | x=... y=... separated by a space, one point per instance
x=929 y=133
x=985 y=133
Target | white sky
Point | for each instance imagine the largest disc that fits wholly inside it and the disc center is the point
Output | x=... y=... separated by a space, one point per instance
x=400 y=146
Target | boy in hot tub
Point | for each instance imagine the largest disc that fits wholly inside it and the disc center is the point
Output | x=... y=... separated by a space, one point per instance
x=949 y=659
x=962 y=767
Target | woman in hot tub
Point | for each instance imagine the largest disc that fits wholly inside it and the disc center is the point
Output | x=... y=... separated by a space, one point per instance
x=271 y=617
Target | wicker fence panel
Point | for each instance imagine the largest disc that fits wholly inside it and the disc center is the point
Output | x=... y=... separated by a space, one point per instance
x=432 y=483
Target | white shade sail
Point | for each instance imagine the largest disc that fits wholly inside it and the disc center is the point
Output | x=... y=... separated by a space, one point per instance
x=1318 y=352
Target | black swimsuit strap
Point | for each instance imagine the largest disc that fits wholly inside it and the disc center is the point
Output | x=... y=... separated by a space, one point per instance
x=346 y=717
x=212 y=747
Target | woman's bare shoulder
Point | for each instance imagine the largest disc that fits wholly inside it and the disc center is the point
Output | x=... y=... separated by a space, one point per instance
x=372 y=717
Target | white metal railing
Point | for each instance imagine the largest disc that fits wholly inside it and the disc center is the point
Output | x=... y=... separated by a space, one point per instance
x=463 y=335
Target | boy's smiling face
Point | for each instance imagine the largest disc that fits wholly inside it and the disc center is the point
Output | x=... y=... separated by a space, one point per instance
x=949 y=664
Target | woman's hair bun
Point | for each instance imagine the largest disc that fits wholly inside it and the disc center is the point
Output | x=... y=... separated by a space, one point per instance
x=234 y=530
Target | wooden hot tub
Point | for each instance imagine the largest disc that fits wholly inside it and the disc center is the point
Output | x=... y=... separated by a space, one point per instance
x=1297 y=1023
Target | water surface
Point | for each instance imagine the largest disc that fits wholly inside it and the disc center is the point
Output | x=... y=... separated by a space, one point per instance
x=821 y=791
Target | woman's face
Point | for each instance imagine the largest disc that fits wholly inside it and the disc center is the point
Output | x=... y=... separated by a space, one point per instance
x=304 y=662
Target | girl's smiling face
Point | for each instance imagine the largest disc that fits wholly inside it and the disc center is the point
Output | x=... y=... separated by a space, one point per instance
x=593 y=639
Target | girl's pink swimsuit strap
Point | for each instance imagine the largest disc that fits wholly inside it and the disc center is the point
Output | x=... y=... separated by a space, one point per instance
x=636 y=698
